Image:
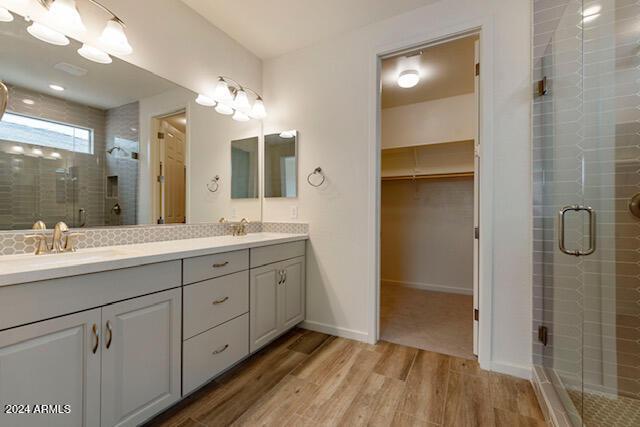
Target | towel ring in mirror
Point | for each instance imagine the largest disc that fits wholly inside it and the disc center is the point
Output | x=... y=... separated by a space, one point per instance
x=214 y=184
x=316 y=171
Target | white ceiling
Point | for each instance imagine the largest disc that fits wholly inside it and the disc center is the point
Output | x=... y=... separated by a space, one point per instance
x=274 y=27
x=29 y=63
x=445 y=69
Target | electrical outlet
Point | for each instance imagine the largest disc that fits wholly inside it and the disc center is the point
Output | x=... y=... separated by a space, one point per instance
x=294 y=212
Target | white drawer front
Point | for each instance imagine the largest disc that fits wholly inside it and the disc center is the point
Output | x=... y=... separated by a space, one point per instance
x=274 y=253
x=210 y=266
x=212 y=302
x=208 y=354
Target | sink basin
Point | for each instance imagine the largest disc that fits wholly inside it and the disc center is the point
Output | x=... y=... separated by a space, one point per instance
x=57 y=260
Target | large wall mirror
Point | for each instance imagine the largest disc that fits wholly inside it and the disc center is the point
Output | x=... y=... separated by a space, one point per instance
x=281 y=164
x=112 y=144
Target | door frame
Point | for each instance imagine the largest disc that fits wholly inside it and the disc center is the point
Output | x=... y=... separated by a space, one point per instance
x=155 y=156
x=483 y=27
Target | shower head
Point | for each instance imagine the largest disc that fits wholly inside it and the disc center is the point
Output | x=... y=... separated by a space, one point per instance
x=114 y=148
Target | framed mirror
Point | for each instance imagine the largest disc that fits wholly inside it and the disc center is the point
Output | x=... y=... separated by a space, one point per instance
x=244 y=168
x=281 y=164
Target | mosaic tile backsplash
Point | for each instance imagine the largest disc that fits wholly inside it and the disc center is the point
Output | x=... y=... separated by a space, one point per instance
x=18 y=242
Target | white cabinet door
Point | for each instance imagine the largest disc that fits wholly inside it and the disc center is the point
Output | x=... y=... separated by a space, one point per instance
x=264 y=306
x=53 y=362
x=292 y=298
x=140 y=357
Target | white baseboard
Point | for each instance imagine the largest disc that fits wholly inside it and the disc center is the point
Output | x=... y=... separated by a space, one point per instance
x=335 y=330
x=511 y=369
x=430 y=287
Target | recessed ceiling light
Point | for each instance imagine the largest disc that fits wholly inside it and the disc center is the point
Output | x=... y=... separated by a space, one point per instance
x=28 y=101
x=408 y=79
x=57 y=88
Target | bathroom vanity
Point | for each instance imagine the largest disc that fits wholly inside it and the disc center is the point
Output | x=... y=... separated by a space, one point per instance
x=113 y=336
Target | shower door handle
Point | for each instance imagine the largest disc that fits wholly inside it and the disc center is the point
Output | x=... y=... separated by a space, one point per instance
x=592 y=230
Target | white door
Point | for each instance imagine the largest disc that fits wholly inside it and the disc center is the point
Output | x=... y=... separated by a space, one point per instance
x=141 y=350
x=264 y=305
x=292 y=296
x=476 y=206
x=54 y=362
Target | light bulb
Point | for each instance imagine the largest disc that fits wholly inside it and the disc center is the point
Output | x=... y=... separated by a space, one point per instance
x=224 y=109
x=205 y=101
x=64 y=15
x=241 y=102
x=258 y=111
x=408 y=79
x=114 y=39
x=239 y=116
x=5 y=15
x=46 y=34
x=94 y=54
x=222 y=92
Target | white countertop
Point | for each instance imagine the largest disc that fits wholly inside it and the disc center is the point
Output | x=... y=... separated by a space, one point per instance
x=16 y=269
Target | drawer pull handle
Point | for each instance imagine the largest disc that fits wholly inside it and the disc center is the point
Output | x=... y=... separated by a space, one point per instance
x=221 y=349
x=220 y=301
x=110 y=334
x=220 y=265
x=94 y=330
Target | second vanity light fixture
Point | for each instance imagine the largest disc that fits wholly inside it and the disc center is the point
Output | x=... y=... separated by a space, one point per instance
x=230 y=97
x=64 y=15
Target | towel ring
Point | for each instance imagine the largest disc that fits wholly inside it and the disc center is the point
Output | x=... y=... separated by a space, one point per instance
x=214 y=185
x=316 y=171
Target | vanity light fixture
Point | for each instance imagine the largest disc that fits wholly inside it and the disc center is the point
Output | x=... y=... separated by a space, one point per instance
x=224 y=109
x=18 y=149
x=408 y=79
x=57 y=88
x=46 y=34
x=94 y=54
x=64 y=15
x=55 y=155
x=37 y=151
x=5 y=15
x=230 y=97
x=239 y=116
x=205 y=101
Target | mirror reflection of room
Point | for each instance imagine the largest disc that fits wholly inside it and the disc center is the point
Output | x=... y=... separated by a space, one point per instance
x=280 y=164
x=244 y=168
x=427 y=214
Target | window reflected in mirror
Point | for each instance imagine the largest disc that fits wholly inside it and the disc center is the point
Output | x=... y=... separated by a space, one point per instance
x=244 y=168
x=281 y=164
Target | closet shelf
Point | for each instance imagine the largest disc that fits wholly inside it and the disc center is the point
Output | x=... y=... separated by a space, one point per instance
x=428 y=176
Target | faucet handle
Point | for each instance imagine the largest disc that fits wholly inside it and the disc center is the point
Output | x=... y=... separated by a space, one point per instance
x=70 y=243
x=39 y=225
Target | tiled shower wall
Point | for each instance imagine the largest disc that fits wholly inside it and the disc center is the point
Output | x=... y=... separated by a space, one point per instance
x=586 y=150
x=17 y=242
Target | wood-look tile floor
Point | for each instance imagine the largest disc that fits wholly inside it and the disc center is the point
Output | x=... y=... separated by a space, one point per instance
x=311 y=379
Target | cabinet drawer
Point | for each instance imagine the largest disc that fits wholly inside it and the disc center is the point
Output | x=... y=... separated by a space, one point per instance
x=208 y=354
x=214 y=301
x=210 y=266
x=274 y=253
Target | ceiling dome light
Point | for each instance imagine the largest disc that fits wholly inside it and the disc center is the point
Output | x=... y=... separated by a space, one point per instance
x=63 y=14
x=57 y=88
x=222 y=92
x=239 y=116
x=114 y=39
x=258 y=111
x=224 y=109
x=5 y=15
x=205 y=101
x=46 y=34
x=241 y=102
x=94 y=54
x=408 y=79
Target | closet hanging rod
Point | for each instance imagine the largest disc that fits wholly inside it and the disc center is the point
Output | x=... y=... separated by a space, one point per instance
x=429 y=176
